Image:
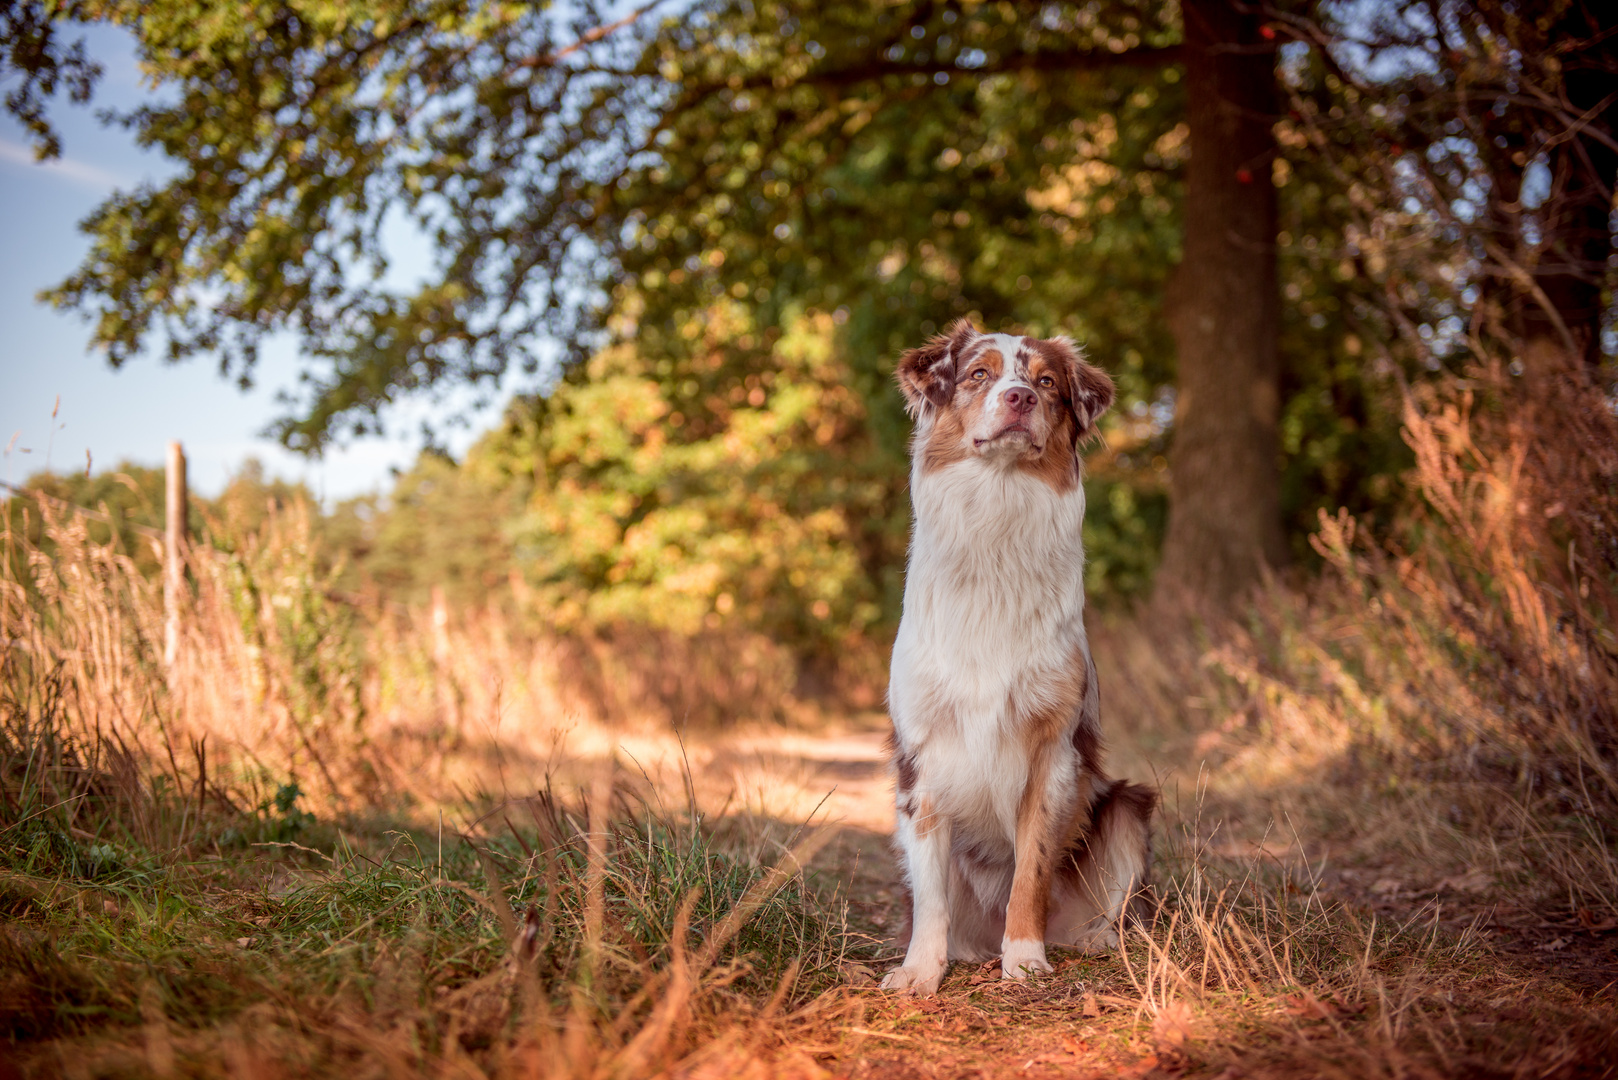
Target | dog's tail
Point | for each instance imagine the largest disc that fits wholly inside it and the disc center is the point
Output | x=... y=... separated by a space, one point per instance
x=1103 y=876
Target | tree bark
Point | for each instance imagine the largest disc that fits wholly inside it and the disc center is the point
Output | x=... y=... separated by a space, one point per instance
x=1224 y=522
x=1576 y=219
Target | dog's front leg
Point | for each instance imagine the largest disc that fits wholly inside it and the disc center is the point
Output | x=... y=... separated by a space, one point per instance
x=1022 y=950
x=924 y=836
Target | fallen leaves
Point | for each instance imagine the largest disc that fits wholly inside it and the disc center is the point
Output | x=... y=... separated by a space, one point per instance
x=1071 y=1048
x=1307 y=1006
x=1171 y=1027
x=1588 y=921
x=1388 y=887
x=1074 y=1046
x=857 y=974
x=1473 y=881
x=1164 y=1061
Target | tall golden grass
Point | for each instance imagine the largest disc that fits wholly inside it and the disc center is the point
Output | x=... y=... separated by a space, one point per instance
x=279 y=674
x=1445 y=696
x=144 y=789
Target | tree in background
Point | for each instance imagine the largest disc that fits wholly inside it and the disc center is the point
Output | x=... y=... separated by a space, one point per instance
x=746 y=493
x=896 y=166
x=1477 y=180
x=1224 y=522
x=443 y=526
x=539 y=150
x=125 y=501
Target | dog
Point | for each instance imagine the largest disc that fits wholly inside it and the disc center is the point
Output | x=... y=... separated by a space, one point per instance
x=1009 y=833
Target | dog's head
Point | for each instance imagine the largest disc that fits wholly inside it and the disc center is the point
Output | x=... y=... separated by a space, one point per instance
x=1019 y=401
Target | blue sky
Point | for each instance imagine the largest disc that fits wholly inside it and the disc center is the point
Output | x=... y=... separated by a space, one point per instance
x=133 y=413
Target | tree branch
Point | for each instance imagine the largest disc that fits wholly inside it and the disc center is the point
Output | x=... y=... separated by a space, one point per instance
x=1085 y=61
x=590 y=37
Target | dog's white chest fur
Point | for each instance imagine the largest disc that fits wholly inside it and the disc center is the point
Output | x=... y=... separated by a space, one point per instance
x=993 y=605
x=994 y=592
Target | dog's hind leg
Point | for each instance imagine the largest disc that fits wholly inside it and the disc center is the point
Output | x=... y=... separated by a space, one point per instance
x=1105 y=871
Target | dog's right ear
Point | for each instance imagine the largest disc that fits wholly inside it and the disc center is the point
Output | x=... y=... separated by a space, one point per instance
x=927 y=375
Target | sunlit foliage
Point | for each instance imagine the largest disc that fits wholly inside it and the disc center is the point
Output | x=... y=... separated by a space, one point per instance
x=738 y=484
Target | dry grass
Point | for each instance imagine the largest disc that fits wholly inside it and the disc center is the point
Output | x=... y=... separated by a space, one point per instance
x=149 y=930
x=336 y=839
x=171 y=905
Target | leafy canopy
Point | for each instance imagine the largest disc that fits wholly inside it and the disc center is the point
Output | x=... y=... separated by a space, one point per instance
x=778 y=153
x=626 y=184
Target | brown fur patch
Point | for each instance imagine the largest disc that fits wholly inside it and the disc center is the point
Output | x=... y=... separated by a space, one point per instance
x=991 y=360
x=1087 y=733
x=1036 y=728
x=926 y=375
x=1087 y=741
x=1118 y=797
x=904 y=763
x=1061 y=695
x=1086 y=389
x=946 y=442
x=1058 y=465
x=1029 y=905
x=1137 y=799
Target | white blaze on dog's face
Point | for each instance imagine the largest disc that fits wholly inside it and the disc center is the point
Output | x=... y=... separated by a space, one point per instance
x=1019 y=402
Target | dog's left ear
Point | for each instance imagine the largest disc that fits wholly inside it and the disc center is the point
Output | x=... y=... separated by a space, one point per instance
x=1089 y=389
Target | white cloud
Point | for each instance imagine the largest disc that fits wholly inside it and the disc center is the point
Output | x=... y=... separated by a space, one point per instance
x=75 y=172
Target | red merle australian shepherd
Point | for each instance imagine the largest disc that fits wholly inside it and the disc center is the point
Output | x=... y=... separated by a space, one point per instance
x=1009 y=833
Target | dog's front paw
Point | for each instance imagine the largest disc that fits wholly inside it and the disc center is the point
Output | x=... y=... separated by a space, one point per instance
x=1021 y=959
x=919 y=979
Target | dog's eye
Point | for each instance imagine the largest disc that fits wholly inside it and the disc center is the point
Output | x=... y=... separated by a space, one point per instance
x=1046 y=381
x=981 y=373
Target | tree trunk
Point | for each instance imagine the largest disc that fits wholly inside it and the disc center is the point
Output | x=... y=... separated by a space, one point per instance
x=1570 y=269
x=1224 y=310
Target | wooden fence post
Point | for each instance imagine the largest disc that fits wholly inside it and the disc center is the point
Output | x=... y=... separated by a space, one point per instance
x=175 y=545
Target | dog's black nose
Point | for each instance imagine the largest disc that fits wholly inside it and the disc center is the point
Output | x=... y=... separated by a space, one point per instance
x=1019 y=399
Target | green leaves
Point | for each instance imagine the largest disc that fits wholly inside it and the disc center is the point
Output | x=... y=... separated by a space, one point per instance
x=302 y=132
x=590 y=179
x=31 y=47
x=738 y=488
x=776 y=155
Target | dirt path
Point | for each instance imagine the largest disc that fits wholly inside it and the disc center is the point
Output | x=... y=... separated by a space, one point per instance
x=1460 y=992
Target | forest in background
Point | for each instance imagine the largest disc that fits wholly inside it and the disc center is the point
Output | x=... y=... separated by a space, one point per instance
x=727 y=180
x=777 y=201
x=1385 y=718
